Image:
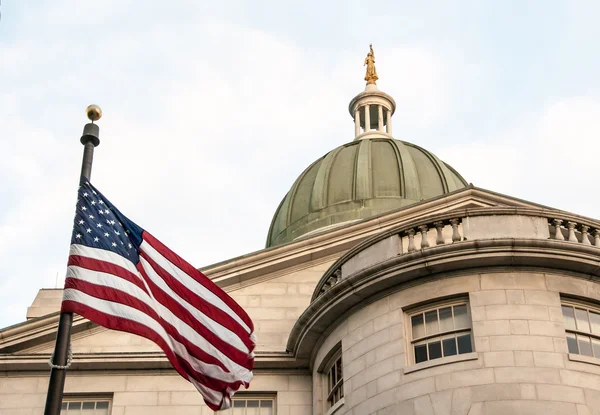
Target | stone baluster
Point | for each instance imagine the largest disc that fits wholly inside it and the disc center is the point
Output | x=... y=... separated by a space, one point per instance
x=571 y=227
x=584 y=235
x=338 y=275
x=332 y=281
x=411 y=240
x=424 y=240
x=455 y=233
x=597 y=238
x=557 y=231
x=439 y=226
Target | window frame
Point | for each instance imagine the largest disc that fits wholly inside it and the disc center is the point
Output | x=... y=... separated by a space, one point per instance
x=582 y=305
x=331 y=390
x=252 y=397
x=88 y=398
x=441 y=335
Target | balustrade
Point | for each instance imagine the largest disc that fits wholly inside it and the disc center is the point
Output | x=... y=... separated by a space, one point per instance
x=560 y=228
x=576 y=232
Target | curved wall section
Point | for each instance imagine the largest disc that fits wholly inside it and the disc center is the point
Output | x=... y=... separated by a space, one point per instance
x=520 y=362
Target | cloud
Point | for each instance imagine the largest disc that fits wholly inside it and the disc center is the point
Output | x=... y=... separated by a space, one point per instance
x=550 y=160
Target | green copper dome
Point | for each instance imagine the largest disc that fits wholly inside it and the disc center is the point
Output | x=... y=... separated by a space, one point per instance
x=359 y=180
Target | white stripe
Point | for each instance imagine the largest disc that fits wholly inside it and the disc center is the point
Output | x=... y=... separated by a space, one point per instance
x=190 y=283
x=237 y=372
x=220 y=331
x=104 y=255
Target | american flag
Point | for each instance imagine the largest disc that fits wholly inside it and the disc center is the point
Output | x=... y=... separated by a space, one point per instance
x=121 y=277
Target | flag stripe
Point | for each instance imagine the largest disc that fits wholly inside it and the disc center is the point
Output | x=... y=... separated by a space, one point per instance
x=202 y=285
x=128 y=312
x=132 y=296
x=103 y=255
x=108 y=268
x=216 y=320
x=217 y=346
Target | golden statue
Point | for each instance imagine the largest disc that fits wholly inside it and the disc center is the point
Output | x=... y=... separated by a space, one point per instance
x=371 y=75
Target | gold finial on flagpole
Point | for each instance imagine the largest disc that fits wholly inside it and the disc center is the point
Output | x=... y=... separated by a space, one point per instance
x=93 y=112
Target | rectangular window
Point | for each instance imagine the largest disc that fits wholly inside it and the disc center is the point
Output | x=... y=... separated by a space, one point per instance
x=81 y=406
x=250 y=405
x=582 y=324
x=335 y=381
x=440 y=331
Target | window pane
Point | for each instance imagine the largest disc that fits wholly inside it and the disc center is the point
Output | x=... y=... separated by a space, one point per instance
x=585 y=347
x=63 y=406
x=252 y=404
x=102 y=405
x=461 y=319
x=88 y=408
x=449 y=346
x=338 y=370
x=89 y=405
x=582 y=320
x=569 y=316
x=595 y=320
x=464 y=344
x=420 y=353
x=418 y=329
x=572 y=343
x=266 y=407
x=596 y=347
x=431 y=322
x=435 y=350
x=446 y=323
x=239 y=403
x=74 y=405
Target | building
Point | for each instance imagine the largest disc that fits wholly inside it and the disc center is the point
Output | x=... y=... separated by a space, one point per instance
x=388 y=285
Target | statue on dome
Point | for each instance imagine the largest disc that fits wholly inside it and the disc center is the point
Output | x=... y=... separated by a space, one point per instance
x=371 y=75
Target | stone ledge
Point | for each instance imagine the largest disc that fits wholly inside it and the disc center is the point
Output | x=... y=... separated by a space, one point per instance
x=441 y=361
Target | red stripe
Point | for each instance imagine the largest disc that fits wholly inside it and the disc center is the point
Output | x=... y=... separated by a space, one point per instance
x=107 y=267
x=209 y=310
x=122 y=324
x=110 y=294
x=241 y=358
x=198 y=277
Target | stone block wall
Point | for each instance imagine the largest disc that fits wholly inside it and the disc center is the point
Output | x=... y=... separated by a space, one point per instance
x=143 y=394
x=520 y=363
x=275 y=305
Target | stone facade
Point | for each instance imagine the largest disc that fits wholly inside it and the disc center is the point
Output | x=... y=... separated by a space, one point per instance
x=520 y=363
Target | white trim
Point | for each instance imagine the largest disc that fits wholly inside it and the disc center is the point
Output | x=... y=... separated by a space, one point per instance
x=441 y=361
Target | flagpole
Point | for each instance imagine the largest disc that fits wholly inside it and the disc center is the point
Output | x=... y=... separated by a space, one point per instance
x=61 y=357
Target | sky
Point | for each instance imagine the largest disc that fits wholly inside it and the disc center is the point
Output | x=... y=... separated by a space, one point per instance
x=211 y=110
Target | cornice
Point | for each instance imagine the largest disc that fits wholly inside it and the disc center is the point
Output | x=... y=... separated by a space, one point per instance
x=136 y=361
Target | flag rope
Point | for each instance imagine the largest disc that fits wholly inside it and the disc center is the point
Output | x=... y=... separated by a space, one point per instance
x=69 y=360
